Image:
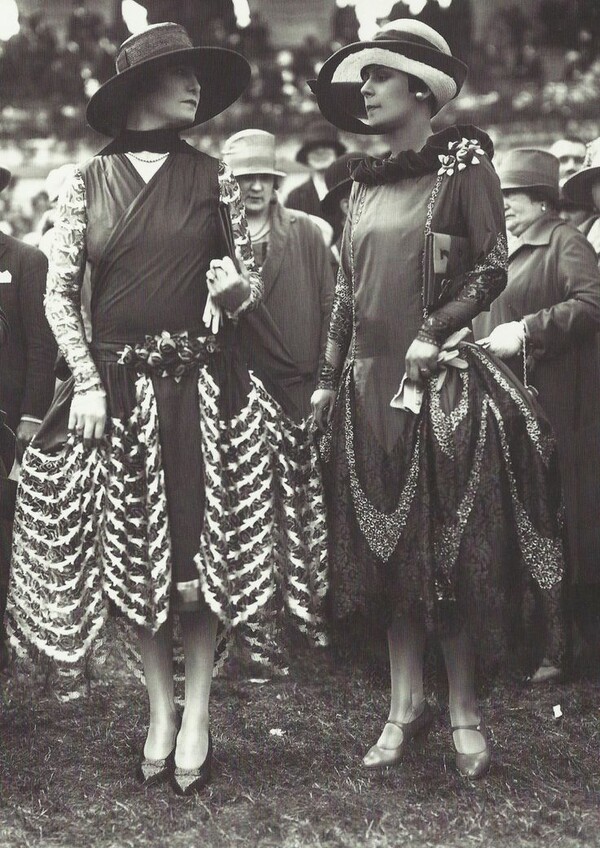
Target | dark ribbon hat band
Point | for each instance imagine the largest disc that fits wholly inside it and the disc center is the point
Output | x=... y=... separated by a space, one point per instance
x=133 y=51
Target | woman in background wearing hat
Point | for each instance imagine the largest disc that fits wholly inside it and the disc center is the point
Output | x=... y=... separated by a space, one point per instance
x=583 y=191
x=321 y=146
x=162 y=497
x=298 y=279
x=426 y=472
x=546 y=321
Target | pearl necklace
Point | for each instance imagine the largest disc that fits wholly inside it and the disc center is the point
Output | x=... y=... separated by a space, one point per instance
x=148 y=161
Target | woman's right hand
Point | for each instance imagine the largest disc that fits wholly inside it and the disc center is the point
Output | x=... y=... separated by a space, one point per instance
x=87 y=418
x=322 y=402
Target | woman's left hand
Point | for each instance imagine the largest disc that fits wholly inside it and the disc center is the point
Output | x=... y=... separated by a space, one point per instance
x=421 y=361
x=505 y=340
x=228 y=287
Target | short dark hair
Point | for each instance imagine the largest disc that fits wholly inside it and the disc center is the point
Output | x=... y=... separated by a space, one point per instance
x=415 y=84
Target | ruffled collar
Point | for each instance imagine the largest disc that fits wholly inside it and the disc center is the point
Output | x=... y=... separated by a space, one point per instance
x=154 y=141
x=436 y=155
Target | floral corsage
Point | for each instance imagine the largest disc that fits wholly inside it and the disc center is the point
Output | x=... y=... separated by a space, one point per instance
x=461 y=153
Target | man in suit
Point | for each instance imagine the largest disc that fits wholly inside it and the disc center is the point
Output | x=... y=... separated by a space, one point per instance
x=28 y=357
x=27 y=374
x=320 y=148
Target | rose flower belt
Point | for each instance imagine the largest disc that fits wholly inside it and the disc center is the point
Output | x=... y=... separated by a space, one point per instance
x=166 y=354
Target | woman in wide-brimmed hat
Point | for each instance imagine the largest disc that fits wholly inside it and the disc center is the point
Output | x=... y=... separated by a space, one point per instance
x=547 y=321
x=431 y=446
x=162 y=494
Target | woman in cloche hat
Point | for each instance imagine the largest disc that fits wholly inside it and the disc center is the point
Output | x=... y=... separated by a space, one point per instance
x=153 y=500
x=546 y=321
x=421 y=429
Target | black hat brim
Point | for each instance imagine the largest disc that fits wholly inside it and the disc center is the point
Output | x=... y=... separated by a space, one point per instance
x=5 y=176
x=330 y=203
x=578 y=188
x=342 y=104
x=302 y=154
x=223 y=76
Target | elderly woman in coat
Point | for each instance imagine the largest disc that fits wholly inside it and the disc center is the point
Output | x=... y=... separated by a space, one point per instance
x=287 y=334
x=545 y=324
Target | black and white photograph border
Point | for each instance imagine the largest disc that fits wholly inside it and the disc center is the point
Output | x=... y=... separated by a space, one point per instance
x=296 y=713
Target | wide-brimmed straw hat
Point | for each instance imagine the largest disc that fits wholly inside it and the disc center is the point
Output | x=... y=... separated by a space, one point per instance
x=319 y=134
x=5 y=176
x=578 y=188
x=338 y=182
x=251 y=152
x=525 y=168
x=223 y=75
x=406 y=45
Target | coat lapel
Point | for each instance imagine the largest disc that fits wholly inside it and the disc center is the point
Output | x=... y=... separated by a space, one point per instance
x=280 y=229
x=536 y=235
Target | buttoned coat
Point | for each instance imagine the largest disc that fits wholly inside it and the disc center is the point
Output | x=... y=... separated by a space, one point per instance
x=554 y=285
x=27 y=374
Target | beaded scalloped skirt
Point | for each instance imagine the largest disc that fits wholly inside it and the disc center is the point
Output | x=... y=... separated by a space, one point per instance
x=94 y=527
x=460 y=525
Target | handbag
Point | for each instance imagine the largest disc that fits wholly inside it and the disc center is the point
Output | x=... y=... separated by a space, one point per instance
x=445 y=255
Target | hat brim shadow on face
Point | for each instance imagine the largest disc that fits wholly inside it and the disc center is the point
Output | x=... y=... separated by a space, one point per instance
x=342 y=103
x=223 y=76
x=578 y=188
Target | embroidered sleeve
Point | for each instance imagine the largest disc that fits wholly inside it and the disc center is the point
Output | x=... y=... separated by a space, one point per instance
x=482 y=208
x=62 y=301
x=230 y=194
x=339 y=334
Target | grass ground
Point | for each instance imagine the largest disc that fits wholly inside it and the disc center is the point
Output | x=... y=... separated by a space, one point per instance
x=287 y=770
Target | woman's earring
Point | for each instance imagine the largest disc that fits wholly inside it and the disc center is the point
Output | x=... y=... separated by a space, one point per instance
x=543 y=207
x=421 y=95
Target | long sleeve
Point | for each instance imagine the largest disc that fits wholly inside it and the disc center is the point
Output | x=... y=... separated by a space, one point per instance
x=339 y=333
x=481 y=207
x=327 y=288
x=63 y=288
x=40 y=346
x=577 y=316
x=231 y=195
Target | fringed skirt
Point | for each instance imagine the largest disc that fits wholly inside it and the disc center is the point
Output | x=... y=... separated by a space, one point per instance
x=109 y=528
x=460 y=525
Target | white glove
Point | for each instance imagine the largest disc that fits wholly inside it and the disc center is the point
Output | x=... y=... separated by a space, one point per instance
x=212 y=316
x=505 y=340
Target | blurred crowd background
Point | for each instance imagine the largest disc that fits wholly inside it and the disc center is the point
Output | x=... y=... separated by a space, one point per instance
x=534 y=71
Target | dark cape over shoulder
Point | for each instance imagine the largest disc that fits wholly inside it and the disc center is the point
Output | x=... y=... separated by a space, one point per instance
x=372 y=170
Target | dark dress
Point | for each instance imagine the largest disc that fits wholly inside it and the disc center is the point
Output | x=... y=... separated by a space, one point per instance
x=187 y=502
x=419 y=503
